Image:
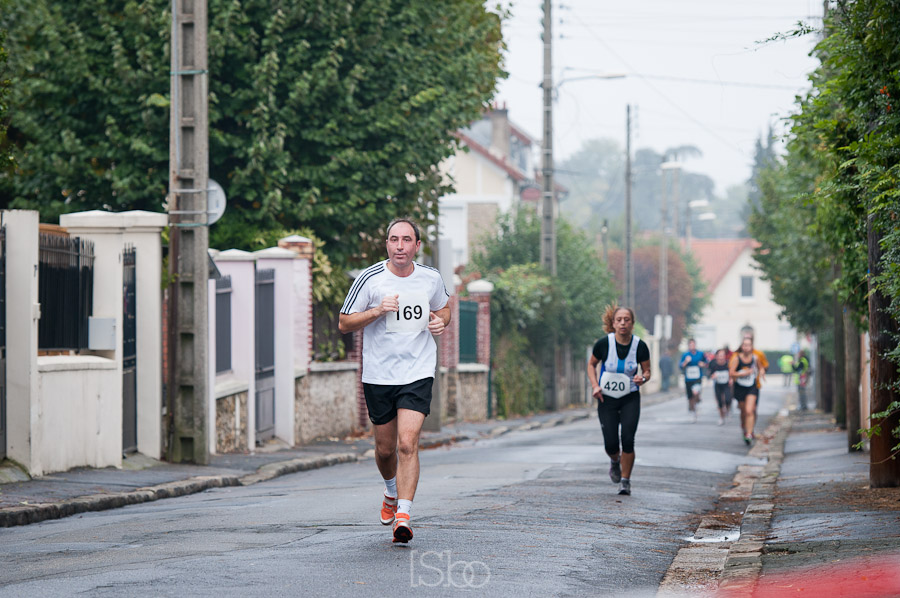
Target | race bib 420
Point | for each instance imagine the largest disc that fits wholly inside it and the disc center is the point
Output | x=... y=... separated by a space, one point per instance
x=413 y=314
x=615 y=385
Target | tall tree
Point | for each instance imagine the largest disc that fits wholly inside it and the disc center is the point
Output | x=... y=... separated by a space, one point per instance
x=332 y=115
x=687 y=291
x=5 y=149
x=847 y=131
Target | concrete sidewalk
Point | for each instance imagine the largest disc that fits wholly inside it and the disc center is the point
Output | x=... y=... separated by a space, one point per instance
x=829 y=533
x=805 y=522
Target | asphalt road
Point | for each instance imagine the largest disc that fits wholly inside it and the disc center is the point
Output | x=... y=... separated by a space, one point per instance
x=530 y=513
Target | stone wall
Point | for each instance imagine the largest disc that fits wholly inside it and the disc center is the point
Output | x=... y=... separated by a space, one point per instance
x=471 y=392
x=326 y=403
x=231 y=423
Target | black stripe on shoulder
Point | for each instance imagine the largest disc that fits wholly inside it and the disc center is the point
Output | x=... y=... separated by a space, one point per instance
x=359 y=283
x=438 y=273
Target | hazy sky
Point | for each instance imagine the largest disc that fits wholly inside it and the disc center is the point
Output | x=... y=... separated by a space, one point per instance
x=695 y=74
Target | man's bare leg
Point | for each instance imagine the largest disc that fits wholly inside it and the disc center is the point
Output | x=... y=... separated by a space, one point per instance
x=409 y=425
x=386 y=449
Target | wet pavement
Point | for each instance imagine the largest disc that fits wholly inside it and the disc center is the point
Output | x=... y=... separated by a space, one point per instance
x=799 y=518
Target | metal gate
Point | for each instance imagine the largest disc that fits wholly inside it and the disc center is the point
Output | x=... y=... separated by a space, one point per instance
x=265 y=355
x=468 y=331
x=2 y=342
x=129 y=351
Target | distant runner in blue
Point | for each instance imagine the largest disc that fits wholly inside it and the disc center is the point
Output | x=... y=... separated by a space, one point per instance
x=692 y=364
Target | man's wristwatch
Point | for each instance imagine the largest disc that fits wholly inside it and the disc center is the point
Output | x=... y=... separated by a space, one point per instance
x=644 y=379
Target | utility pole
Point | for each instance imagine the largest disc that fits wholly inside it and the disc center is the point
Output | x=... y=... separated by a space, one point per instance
x=548 y=203
x=187 y=385
x=629 y=265
x=663 y=264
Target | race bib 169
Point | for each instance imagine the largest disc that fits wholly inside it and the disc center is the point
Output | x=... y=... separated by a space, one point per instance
x=413 y=315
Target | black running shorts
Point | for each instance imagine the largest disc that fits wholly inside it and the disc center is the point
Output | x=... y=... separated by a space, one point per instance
x=742 y=392
x=383 y=400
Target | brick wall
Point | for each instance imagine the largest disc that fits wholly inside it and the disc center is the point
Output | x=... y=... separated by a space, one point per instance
x=484 y=327
x=449 y=340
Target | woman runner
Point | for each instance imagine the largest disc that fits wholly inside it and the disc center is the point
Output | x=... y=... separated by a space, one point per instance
x=617 y=390
x=747 y=375
x=719 y=374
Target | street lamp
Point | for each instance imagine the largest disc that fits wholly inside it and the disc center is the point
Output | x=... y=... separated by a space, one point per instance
x=675 y=167
x=691 y=206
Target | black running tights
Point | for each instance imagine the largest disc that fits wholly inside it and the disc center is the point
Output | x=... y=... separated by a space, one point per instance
x=613 y=413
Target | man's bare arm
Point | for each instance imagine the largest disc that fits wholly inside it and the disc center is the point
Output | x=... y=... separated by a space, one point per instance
x=352 y=322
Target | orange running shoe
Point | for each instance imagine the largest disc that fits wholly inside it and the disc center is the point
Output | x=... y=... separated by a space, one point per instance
x=402 y=530
x=388 y=510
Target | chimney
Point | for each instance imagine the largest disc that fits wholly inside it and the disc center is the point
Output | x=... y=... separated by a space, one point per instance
x=500 y=132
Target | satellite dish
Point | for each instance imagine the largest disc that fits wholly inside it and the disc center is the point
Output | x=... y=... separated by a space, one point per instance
x=215 y=202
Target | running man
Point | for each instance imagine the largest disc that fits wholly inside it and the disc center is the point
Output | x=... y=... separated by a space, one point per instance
x=399 y=304
x=747 y=373
x=692 y=363
x=718 y=373
x=618 y=389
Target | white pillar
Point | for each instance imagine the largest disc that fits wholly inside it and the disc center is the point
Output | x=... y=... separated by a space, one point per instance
x=22 y=314
x=110 y=232
x=282 y=261
x=241 y=267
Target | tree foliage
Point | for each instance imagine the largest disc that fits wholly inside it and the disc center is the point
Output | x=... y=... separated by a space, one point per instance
x=571 y=302
x=5 y=149
x=595 y=178
x=841 y=175
x=686 y=289
x=327 y=115
x=530 y=309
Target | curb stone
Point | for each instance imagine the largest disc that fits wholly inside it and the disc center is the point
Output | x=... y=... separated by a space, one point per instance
x=744 y=562
x=26 y=514
x=732 y=569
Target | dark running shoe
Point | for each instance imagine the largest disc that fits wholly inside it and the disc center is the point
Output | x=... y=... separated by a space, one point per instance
x=615 y=472
x=625 y=487
x=402 y=531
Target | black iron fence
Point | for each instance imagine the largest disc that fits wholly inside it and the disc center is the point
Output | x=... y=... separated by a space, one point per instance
x=65 y=291
x=468 y=331
x=328 y=342
x=223 y=324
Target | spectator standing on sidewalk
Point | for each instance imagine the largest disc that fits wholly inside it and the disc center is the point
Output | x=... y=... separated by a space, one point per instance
x=718 y=373
x=786 y=365
x=618 y=389
x=692 y=363
x=666 y=369
x=801 y=369
x=747 y=373
x=399 y=304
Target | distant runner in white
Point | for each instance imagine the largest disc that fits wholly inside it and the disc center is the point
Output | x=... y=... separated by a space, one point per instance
x=399 y=304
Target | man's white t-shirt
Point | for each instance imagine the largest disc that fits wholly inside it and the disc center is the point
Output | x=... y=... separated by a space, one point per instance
x=397 y=347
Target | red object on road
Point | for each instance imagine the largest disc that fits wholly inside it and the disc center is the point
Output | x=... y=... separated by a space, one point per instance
x=863 y=577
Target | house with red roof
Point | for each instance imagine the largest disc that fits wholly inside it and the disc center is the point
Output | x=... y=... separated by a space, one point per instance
x=495 y=171
x=741 y=301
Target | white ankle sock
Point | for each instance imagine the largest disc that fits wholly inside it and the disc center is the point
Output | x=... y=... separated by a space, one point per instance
x=403 y=506
x=390 y=487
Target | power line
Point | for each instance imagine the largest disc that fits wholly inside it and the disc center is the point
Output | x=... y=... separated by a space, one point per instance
x=701 y=81
x=671 y=102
